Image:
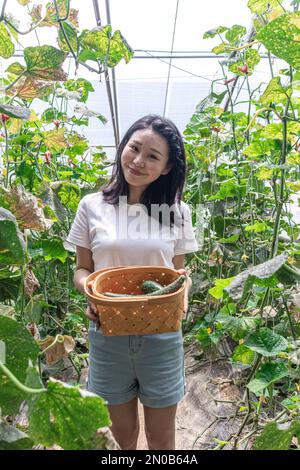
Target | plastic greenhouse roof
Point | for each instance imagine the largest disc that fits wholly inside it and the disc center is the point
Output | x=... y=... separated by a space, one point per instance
x=148 y=84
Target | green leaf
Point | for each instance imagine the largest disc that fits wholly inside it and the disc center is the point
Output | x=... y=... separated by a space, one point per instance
x=87 y=54
x=10 y=288
x=228 y=189
x=213 y=32
x=275 y=131
x=281 y=37
x=109 y=49
x=20 y=349
x=267 y=375
x=45 y=62
x=13 y=439
x=232 y=239
x=71 y=33
x=12 y=245
x=33 y=309
x=53 y=249
x=243 y=355
x=261 y=6
x=275 y=93
x=15 y=111
x=237 y=327
x=203 y=337
x=266 y=342
x=260 y=148
x=264 y=173
x=235 y=33
x=293 y=402
x=77 y=145
x=82 y=85
x=52 y=113
x=222 y=48
x=251 y=58
x=243 y=281
x=69 y=195
x=7 y=47
x=16 y=69
x=67 y=416
x=274 y=438
x=220 y=284
x=258 y=227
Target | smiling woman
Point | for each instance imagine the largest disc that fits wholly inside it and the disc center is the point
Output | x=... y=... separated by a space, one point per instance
x=150 y=165
x=150 y=169
x=143 y=160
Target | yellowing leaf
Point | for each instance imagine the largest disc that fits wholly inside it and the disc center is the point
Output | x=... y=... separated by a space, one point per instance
x=54 y=140
x=294 y=159
x=50 y=18
x=29 y=88
x=261 y=6
x=7 y=47
x=59 y=346
x=45 y=63
x=15 y=125
x=264 y=173
x=26 y=208
x=294 y=186
x=257 y=227
x=31 y=283
x=33 y=116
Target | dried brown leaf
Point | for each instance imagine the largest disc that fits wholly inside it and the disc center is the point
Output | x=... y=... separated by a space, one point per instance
x=60 y=349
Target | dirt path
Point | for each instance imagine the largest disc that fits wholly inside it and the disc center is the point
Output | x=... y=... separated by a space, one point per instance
x=200 y=418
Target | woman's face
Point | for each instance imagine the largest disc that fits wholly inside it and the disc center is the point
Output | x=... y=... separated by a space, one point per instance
x=144 y=158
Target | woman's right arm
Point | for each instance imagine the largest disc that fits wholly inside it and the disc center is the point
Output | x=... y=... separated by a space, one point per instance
x=84 y=267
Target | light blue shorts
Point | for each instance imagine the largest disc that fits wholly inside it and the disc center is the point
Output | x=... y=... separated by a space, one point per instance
x=148 y=366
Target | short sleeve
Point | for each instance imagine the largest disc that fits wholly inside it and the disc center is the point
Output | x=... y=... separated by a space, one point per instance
x=186 y=240
x=79 y=233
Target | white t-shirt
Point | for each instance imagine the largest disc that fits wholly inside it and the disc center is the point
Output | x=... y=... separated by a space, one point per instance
x=125 y=235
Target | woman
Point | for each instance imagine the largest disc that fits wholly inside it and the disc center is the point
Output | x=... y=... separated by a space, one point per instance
x=149 y=169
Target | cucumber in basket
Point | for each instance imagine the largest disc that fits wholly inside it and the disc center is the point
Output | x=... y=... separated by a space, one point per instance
x=150 y=286
x=158 y=291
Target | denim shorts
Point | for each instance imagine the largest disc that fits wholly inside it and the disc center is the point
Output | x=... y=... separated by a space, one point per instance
x=148 y=366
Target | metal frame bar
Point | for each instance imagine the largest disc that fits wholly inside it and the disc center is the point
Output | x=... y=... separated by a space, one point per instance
x=112 y=96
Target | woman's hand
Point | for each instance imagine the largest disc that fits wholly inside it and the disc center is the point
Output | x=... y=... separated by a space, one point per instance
x=92 y=311
x=188 y=286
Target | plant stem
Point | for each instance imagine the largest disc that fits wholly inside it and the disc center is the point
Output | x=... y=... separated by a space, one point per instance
x=246 y=46
x=3 y=10
x=58 y=339
x=15 y=81
x=23 y=33
x=18 y=384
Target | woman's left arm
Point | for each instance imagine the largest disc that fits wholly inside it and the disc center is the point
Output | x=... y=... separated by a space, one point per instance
x=178 y=262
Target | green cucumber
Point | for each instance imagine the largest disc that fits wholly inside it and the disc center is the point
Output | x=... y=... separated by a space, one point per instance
x=161 y=291
x=171 y=287
x=150 y=286
x=114 y=294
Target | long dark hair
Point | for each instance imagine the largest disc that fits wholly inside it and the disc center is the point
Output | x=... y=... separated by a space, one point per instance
x=167 y=188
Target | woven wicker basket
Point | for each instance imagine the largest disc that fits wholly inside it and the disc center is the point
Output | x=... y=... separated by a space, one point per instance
x=140 y=315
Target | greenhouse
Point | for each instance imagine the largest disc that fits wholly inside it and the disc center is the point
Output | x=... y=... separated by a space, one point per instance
x=149 y=226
